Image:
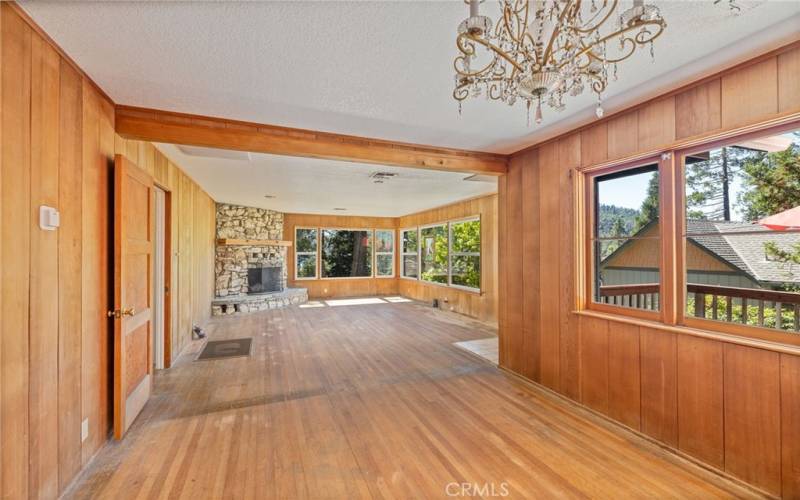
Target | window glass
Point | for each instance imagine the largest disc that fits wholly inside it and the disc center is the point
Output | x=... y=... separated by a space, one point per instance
x=742 y=239
x=465 y=259
x=384 y=253
x=305 y=253
x=433 y=241
x=346 y=253
x=626 y=239
x=410 y=262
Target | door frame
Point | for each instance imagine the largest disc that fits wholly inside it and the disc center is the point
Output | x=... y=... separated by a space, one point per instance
x=167 y=361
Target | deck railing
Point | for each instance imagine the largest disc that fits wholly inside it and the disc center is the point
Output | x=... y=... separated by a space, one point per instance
x=749 y=306
x=641 y=296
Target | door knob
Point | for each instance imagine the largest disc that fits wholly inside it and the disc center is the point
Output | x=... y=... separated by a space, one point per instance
x=119 y=313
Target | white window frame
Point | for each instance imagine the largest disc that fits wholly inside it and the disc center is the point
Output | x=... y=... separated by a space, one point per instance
x=446 y=224
x=450 y=253
x=376 y=253
x=403 y=253
x=297 y=254
x=370 y=231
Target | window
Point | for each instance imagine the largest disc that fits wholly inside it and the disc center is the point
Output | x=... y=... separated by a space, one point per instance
x=305 y=244
x=465 y=253
x=434 y=254
x=410 y=251
x=346 y=253
x=741 y=268
x=626 y=239
x=384 y=253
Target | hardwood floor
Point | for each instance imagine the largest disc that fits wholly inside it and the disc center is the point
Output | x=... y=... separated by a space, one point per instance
x=371 y=401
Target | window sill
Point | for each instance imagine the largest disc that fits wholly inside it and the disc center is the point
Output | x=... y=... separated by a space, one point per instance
x=696 y=332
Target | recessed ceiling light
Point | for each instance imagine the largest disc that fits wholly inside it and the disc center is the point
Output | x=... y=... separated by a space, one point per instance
x=340 y=209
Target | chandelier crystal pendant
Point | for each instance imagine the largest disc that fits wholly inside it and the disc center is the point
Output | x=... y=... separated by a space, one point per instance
x=543 y=50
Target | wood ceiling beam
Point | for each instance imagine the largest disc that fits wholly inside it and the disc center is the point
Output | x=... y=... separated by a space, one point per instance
x=178 y=128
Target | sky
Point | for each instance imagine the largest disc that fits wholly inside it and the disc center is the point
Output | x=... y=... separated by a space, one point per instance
x=630 y=192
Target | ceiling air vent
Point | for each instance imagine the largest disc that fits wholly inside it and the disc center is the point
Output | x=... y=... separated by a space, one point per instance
x=380 y=177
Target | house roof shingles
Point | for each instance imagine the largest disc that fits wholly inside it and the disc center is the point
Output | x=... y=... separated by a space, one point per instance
x=746 y=251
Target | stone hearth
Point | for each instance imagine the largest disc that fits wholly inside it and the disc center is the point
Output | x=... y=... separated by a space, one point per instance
x=261 y=302
x=233 y=261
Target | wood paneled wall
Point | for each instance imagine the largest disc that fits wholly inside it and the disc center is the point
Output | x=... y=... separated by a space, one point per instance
x=482 y=305
x=326 y=288
x=57 y=140
x=193 y=216
x=733 y=406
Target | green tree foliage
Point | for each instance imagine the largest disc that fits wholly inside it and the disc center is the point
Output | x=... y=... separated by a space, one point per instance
x=649 y=211
x=709 y=182
x=466 y=269
x=771 y=182
x=434 y=254
x=346 y=253
x=613 y=218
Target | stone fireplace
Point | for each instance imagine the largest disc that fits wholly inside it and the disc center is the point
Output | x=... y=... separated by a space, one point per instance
x=250 y=273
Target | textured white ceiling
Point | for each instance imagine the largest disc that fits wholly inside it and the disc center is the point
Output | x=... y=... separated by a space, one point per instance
x=314 y=186
x=376 y=69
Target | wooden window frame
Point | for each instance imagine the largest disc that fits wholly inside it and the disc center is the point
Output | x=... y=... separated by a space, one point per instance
x=672 y=287
x=665 y=207
x=403 y=254
x=683 y=319
x=450 y=253
x=297 y=254
x=446 y=225
x=375 y=252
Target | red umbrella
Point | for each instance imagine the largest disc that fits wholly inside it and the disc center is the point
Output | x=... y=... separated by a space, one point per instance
x=784 y=221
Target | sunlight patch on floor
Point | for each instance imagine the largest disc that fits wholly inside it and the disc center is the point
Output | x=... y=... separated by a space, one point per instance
x=395 y=300
x=355 y=302
x=313 y=303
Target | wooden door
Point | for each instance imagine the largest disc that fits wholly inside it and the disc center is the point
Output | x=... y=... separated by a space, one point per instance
x=134 y=233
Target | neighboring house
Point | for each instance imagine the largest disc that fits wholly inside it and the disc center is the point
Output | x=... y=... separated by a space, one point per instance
x=712 y=258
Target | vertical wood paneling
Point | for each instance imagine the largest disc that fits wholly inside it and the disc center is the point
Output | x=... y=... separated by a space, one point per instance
x=790 y=426
x=569 y=157
x=70 y=188
x=594 y=144
x=680 y=378
x=623 y=135
x=659 y=385
x=623 y=374
x=698 y=110
x=750 y=94
x=43 y=369
x=514 y=294
x=656 y=124
x=530 y=274
x=752 y=416
x=594 y=363
x=700 y=403
x=94 y=273
x=503 y=335
x=14 y=275
x=788 y=82
x=549 y=327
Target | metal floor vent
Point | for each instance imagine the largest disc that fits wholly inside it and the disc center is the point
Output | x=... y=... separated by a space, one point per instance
x=233 y=348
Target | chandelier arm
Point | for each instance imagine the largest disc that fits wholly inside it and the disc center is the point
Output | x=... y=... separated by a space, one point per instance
x=556 y=30
x=587 y=50
x=588 y=28
x=494 y=48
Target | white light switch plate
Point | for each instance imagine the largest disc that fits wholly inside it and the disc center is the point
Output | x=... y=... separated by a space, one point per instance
x=84 y=429
x=49 y=218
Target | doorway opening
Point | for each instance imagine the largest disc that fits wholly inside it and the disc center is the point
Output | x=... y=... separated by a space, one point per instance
x=162 y=273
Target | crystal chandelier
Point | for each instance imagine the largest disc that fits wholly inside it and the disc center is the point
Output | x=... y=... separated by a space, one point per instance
x=542 y=50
